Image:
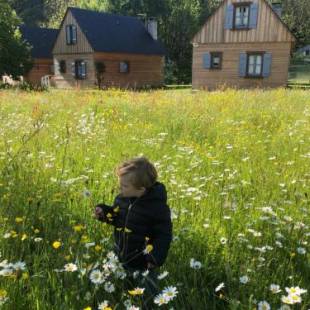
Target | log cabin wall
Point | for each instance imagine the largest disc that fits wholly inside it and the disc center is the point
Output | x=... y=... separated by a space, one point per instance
x=40 y=68
x=229 y=73
x=144 y=70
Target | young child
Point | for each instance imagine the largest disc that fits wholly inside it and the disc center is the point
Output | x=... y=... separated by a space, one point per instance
x=141 y=219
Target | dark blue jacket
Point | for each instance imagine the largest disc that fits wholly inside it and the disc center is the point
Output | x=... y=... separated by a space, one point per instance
x=139 y=222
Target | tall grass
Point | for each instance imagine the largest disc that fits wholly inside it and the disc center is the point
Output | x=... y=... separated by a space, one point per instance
x=236 y=167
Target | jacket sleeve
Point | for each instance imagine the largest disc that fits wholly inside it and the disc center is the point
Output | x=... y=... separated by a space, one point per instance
x=160 y=237
x=109 y=213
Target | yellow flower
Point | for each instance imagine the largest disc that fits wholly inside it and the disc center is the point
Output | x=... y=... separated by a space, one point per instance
x=13 y=234
x=25 y=275
x=78 y=228
x=18 y=219
x=85 y=238
x=116 y=209
x=98 y=248
x=24 y=236
x=136 y=291
x=87 y=308
x=56 y=244
x=127 y=230
x=36 y=231
x=149 y=248
x=3 y=293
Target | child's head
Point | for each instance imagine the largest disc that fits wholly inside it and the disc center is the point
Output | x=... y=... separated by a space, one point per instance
x=135 y=176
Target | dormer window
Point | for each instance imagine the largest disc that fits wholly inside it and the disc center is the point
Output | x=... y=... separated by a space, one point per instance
x=71 y=36
x=242 y=15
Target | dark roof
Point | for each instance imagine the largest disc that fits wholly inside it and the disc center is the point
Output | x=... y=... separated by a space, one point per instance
x=42 y=40
x=115 y=33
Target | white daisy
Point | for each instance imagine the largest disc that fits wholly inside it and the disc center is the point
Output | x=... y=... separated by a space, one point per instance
x=263 y=305
x=274 y=288
x=195 y=264
x=170 y=292
x=161 y=300
x=162 y=275
x=219 y=287
x=109 y=287
x=103 y=305
x=244 y=279
x=70 y=267
x=97 y=277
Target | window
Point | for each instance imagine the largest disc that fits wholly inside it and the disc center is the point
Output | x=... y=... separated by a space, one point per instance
x=124 y=67
x=62 y=65
x=255 y=64
x=71 y=36
x=80 y=69
x=216 y=60
x=242 y=15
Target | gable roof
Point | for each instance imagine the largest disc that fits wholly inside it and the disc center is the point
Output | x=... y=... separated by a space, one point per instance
x=266 y=2
x=41 y=39
x=115 y=33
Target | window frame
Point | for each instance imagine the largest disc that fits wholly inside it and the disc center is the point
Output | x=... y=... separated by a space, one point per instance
x=128 y=67
x=63 y=66
x=216 y=54
x=78 y=63
x=70 y=40
x=258 y=53
x=241 y=4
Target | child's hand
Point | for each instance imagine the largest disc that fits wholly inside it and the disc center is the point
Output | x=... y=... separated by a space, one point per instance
x=98 y=212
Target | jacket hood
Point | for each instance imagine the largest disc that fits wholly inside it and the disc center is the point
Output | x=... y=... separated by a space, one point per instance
x=156 y=192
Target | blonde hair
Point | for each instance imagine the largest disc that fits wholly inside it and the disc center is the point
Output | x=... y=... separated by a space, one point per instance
x=142 y=172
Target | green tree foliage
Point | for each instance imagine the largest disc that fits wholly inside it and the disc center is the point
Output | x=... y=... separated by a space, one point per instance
x=15 y=58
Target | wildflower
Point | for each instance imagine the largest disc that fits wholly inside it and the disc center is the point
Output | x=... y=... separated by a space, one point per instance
x=244 y=279
x=170 y=292
x=6 y=272
x=162 y=275
x=3 y=296
x=87 y=308
x=78 y=228
x=223 y=240
x=148 y=249
x=263 y=305
x=275 y=288
x=24 y=237
x=301 y=251
x=161 y=300
x=295 y=290
x=19 y=266
x=104 y=306
x=56 y=244
x=109 y=287
x=219 y=287
x=97 y=277
x=18 y=219
x=70 y=267
x=133 y=308
x=291 y=299
x=98 y=248
x=195 y=264
x=38 y=239
x=136 y=291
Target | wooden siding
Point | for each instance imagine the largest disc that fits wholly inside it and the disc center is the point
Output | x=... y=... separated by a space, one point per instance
x=40 y=68
x=229 y=74
x=82 y=45
x=67 y=80
x=269 y=27
x=144 y=70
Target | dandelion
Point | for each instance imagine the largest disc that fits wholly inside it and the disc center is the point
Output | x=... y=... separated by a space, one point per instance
x=136 y=291
x=219 y=287
x=70 y=267
x=274 y=288
x=244 y=279
x=96 y=276
x=78 y=227
x=263 y=305
x=19 y=219
x=56 y=244
x=195 y=264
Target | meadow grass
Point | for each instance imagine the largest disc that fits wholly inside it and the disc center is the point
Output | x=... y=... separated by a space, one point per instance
x=236 y=167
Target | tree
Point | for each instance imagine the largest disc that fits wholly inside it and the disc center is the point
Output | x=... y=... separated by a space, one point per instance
x=15 y=58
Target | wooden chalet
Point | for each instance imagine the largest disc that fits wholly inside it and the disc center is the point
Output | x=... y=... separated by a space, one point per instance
x=42 y=41
x=120 y=50
x=243 y=44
